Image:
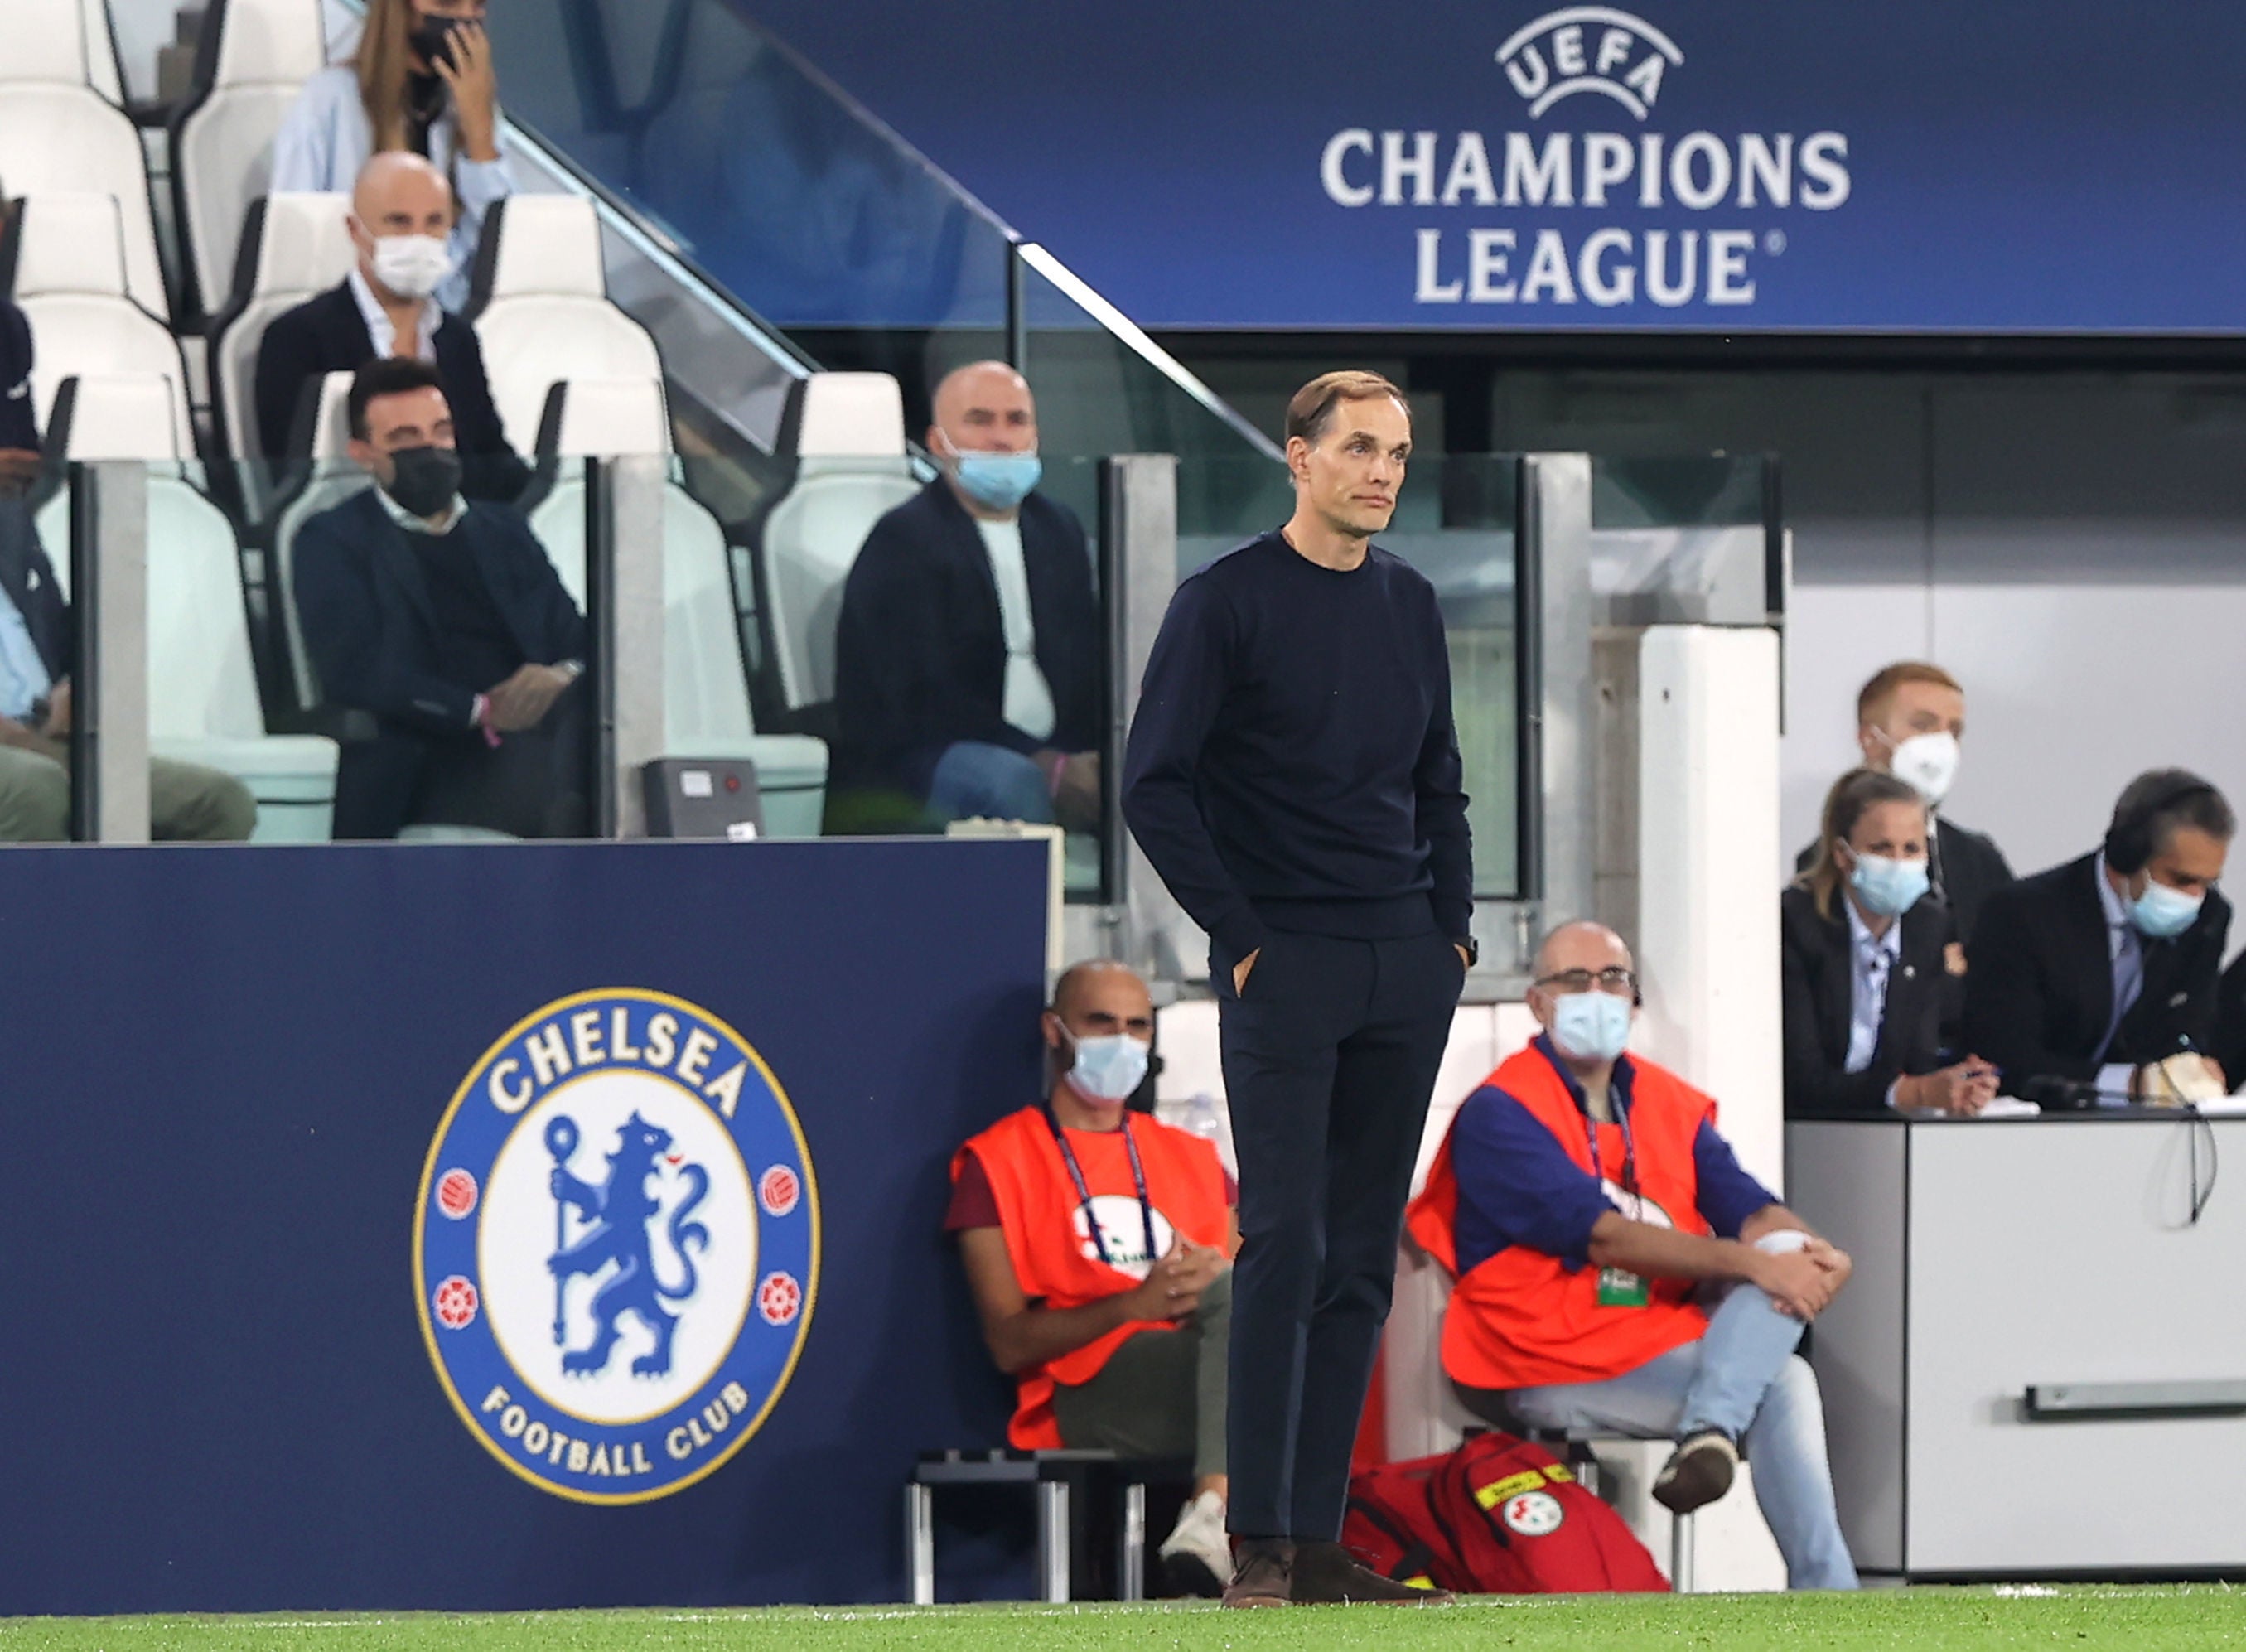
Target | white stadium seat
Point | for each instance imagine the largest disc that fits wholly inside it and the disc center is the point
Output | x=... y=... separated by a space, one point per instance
x=294 y=246
x=102 y=72
x=253 y=60
x=70 y=278
x=705 y=693
x=60 y=135
x=202 y=683
x=846 y=434
x=334 y=480
x=541 y=307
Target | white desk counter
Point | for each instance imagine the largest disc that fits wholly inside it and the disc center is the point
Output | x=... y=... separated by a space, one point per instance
x=2007 y=1273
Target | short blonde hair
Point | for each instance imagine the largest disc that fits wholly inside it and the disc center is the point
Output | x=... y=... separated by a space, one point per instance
x=1873 y=699
x=1313 y=410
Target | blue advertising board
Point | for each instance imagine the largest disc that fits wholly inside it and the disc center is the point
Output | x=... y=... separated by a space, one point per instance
x=494 y=1228
x=2058 y=166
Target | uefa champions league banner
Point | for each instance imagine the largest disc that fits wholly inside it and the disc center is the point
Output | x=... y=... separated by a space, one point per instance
x=494 y=1228
x=1917 y=166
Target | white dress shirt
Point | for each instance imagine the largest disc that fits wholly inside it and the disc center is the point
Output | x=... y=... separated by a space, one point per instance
x=1871 y=958
x=1029 y=705
x=378 y=327
x=24 y=679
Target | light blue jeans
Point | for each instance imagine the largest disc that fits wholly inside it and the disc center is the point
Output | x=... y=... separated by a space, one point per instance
x=1743 y=1378
x=975 y=777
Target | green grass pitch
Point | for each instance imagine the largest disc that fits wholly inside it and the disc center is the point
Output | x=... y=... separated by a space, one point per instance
x=2142 y=1620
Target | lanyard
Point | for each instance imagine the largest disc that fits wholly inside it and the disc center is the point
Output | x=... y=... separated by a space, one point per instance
x=1083 y=1190
x=1629 y=1149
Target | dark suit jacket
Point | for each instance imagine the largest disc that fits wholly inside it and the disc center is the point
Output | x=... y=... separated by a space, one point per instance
x=1819 y=977
x=365 y=613
x=919 y=657
x=1966 y=866
x=328 y=335
x=2041 y=989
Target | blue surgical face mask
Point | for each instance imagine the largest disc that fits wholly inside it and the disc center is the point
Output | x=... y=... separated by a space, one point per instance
x=2162 y=913
x=1591 y=1026
x=995 y=482
x=1888 y=887
x=1110 y=1068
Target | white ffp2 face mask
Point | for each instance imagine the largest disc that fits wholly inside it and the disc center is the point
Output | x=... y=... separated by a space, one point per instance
x=1928 y=763
x=411 y=266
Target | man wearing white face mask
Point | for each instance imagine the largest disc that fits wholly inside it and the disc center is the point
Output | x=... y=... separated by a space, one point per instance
x=1097 y=1246
x=967 y=658
x=401 y=211
x=2094 y=982
x=1910 y=718
x=1589 y=1212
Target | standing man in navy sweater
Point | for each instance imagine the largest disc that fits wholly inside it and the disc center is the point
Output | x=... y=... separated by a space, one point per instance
x=1293 y=775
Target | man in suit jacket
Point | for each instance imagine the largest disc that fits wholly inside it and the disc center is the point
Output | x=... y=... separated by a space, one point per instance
x=447 y=623
x=1910 y=718
x=2096 y=980
x=401 y=211
x=37 y=649
x=967 y=665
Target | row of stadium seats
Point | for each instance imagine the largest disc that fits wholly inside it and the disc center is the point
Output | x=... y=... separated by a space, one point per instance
x=572 y=376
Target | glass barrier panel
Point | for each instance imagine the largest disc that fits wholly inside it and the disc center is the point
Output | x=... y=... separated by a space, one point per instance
x=1103 y=388
x=763 y=175
x=1685 y=539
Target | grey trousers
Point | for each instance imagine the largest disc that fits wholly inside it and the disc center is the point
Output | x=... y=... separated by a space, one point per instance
x=1161 y=1393
x=185 y=801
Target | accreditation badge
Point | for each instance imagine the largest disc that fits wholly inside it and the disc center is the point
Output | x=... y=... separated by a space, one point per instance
x=1619 y=1287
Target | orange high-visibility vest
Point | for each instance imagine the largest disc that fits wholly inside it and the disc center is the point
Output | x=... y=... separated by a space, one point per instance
x=1049 y=1239
x=1521 y=1319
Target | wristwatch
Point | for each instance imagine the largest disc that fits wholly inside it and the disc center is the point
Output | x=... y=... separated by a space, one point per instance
x=1472 y=947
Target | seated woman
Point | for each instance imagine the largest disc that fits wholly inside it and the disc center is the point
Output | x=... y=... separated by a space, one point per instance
x=1864 y=970
x=422 y=80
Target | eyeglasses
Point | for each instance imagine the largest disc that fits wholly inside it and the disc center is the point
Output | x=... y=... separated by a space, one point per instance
x=1615 y=979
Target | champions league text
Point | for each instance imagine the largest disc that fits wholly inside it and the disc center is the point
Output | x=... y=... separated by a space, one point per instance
x=1607 y=265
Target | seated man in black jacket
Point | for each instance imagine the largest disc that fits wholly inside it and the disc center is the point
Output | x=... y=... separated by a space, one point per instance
x=401 y=212
x=2095 y=982
x=967 y=663
x=448 y=623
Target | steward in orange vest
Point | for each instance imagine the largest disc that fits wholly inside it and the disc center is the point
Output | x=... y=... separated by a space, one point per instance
x=1617 y=1269
x=1097 y=1243
x=1531 y=1312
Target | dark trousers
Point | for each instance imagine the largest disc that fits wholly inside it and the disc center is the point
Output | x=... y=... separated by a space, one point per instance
x=534 y=784
x=1330 y=1058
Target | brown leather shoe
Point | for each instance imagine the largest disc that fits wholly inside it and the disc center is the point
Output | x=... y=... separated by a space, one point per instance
x=1261 y=1573
x=1698 y=1472
x=1328 y=1575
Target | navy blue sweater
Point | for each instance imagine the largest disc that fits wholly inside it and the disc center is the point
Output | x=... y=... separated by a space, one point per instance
x=1293 y=765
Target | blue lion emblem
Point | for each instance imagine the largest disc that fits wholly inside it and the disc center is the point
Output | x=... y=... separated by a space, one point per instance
x=623 y=1214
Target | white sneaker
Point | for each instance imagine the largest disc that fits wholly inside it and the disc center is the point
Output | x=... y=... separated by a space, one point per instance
x=1197 y=1555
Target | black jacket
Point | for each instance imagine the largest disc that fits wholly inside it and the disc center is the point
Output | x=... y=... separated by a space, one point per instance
x=19 y=423
x=920 y=654
x=2041 y=989
x=328 y=335
x=364 y=610
x=1966 y=866
x=1820 y=992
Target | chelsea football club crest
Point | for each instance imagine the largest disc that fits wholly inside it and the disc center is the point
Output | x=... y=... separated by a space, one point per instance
x=617 y=1247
